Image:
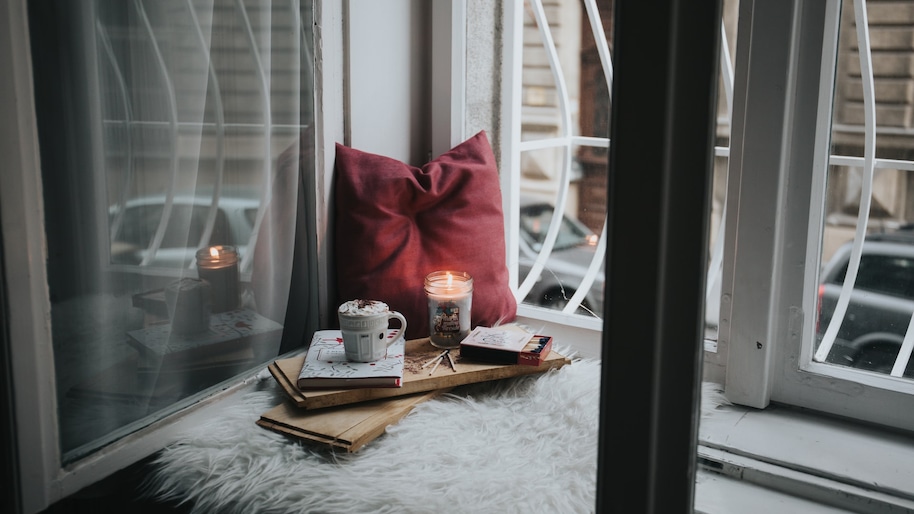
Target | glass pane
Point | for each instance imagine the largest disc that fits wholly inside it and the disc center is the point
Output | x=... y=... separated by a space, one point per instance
x=565 y=99
x=539 y=94
x=167 y=128
x=878 y=304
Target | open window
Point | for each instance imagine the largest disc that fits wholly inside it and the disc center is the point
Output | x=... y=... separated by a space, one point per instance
x=801 y=323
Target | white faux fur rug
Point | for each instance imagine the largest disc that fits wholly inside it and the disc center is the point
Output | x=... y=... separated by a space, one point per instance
x=518 y=445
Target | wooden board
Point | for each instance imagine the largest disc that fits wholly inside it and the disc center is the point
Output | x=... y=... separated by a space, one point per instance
x=347 y=427
x=416 y=379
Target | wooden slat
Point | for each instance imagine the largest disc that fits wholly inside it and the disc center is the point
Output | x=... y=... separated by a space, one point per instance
x=342 y=428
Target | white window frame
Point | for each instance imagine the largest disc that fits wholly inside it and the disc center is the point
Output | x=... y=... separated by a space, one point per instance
x=781 y=131
x=43 y=479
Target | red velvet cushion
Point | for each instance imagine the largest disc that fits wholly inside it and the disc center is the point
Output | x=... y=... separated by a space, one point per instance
x=396 y=223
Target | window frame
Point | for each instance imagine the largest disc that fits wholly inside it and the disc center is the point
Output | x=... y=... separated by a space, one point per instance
x=771 y=262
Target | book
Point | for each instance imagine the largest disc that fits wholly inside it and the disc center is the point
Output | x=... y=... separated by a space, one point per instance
x=347 y=427
x=326 y=366
x=416 y=378
x=235 y=332
x=504 y=346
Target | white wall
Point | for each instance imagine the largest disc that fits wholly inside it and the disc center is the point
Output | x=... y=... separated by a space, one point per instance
x=388 y=95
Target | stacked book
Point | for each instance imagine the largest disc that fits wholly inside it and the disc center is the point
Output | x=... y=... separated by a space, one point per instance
x=344 y=405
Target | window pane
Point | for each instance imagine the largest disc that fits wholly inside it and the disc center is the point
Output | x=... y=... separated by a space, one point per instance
x=565 y=108
x=166 y=128
x=863 y=324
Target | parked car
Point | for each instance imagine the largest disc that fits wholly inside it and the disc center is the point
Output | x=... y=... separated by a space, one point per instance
x=234 y=222
x=880 y=306
x=564 y=270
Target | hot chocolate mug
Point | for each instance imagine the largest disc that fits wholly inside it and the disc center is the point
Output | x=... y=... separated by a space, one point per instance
x=364 y=324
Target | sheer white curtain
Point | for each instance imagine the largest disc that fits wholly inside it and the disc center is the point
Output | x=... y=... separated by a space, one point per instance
x=169 y=127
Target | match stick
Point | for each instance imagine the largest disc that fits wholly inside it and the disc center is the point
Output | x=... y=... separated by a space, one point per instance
x=450 y=361
x=440 y=358
x=437 y=358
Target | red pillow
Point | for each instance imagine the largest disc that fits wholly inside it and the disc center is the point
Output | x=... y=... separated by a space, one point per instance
x=396 y=223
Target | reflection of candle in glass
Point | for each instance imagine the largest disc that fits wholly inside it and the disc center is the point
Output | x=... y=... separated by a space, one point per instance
x=218 y=265
x=450 y=300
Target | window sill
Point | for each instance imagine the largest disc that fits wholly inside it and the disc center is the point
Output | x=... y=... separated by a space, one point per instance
x=121 y=454
x=811 y=457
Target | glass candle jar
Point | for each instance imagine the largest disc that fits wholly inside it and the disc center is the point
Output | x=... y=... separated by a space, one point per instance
x=218 y=265
x=450 y=300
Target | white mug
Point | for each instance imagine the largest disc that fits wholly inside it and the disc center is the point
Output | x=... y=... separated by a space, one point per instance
x=364 y=324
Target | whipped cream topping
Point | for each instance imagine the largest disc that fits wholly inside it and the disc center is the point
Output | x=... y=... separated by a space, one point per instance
x=363 y=307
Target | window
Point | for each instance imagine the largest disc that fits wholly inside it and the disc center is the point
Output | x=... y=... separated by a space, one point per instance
x=163 y=128
x=559 y=119
x=559 y=127
x=196 y=118
x=790 y=332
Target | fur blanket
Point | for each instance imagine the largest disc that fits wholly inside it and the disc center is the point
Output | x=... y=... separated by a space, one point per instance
x=526 y=444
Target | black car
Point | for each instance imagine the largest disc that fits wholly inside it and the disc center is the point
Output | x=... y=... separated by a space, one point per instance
x=881 y=303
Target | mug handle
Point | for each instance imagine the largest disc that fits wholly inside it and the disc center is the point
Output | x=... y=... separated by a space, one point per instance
x=402 y=333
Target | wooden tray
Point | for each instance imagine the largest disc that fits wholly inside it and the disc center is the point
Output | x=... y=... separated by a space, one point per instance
x=347 y=427
x=415 y=378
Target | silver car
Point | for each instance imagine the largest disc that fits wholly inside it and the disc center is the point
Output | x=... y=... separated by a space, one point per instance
x=564 y=270
x=233 y=225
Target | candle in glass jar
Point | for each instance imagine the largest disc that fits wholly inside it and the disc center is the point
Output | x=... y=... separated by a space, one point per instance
x=218 y=265
x=450 y=300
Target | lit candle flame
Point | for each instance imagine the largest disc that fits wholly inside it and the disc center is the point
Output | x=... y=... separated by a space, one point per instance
x=450 y=280
x=214 y=252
